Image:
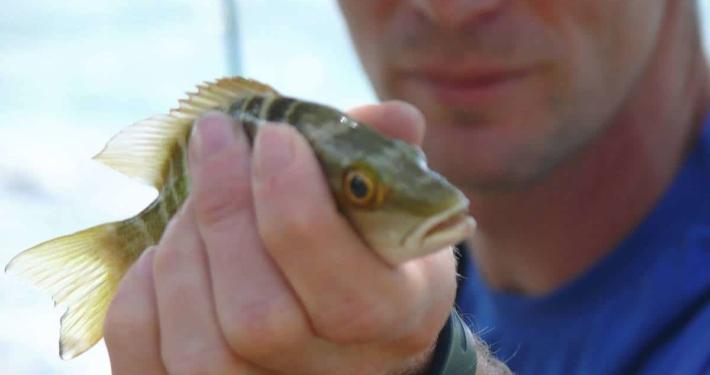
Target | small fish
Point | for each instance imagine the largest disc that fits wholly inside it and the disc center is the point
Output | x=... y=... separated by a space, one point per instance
x=399 y=207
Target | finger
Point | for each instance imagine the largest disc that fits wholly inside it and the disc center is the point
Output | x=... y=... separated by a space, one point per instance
x=131 y=329
x=396 y=119
x=191 y=340
x=260 y=317
x=350 y=294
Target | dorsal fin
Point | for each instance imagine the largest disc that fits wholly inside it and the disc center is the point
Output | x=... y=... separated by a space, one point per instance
x=143 y=150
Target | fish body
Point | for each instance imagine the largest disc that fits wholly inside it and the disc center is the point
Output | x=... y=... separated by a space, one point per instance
x=398 y=206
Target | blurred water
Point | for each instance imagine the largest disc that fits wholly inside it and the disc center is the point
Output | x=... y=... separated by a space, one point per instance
x=74 y=72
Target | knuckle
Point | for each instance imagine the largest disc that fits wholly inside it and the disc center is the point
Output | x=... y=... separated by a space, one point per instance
x=218 y=204
x=164 y=261
x=302 y=225
x=259 y=329
x=177 y=245
x=123 y=324
x=168 y=265
x=197 y=360
x=354 y=321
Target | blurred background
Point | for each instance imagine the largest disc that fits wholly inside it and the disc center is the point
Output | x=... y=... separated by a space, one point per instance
x=75 y=72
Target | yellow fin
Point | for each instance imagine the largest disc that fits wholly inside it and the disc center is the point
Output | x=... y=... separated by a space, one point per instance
x=81 y=271
x=143 y=150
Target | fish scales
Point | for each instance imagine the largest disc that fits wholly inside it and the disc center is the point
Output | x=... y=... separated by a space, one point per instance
x=156 y=216
x=383 y=187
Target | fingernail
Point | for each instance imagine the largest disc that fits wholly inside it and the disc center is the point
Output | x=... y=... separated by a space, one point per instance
x=213 y=132
x=273 y=150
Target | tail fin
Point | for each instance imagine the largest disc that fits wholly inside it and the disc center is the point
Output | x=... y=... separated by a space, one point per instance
x=81 y=271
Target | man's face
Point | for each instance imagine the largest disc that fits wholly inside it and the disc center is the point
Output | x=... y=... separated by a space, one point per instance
x=510 y=88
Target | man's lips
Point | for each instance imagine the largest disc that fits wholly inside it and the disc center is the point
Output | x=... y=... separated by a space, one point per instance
x=466 y=86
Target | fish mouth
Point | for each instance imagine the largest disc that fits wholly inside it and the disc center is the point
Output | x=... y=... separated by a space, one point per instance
x=445 y=229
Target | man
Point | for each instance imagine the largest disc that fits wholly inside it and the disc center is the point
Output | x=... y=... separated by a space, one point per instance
x=576 y=128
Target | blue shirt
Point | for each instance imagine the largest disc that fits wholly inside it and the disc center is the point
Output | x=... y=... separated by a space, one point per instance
x=643 y=309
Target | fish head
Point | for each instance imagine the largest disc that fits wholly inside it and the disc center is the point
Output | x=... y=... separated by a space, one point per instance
x=400 y=207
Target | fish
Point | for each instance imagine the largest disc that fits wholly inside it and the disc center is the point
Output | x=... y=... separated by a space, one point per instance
x=398 y=206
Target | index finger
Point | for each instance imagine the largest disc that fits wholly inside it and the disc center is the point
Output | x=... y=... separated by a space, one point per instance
x=350 y=294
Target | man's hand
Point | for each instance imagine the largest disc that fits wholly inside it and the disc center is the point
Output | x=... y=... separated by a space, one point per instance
x=259 y=274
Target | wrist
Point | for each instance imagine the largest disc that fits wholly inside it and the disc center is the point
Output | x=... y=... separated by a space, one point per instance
x=455 y=350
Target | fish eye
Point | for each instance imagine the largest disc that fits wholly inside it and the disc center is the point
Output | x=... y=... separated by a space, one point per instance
x=360 y=188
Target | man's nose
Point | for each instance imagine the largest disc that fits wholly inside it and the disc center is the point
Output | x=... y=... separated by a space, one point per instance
x=454 y=13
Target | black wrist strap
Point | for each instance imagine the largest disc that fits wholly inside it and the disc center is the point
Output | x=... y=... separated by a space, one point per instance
x=454 y=353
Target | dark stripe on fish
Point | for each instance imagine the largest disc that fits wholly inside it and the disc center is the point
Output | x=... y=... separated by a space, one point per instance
x=278 y=109
x=253 y=106
x=247 y=111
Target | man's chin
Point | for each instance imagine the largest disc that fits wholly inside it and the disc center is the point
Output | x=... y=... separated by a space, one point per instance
x=485 y=157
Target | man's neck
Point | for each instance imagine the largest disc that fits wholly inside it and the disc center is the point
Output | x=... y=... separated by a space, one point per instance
x=536 y=240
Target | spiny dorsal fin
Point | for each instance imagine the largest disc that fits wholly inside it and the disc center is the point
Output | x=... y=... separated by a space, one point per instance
x=143 y=150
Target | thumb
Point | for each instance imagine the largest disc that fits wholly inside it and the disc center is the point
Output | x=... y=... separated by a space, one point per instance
x=394 y=119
